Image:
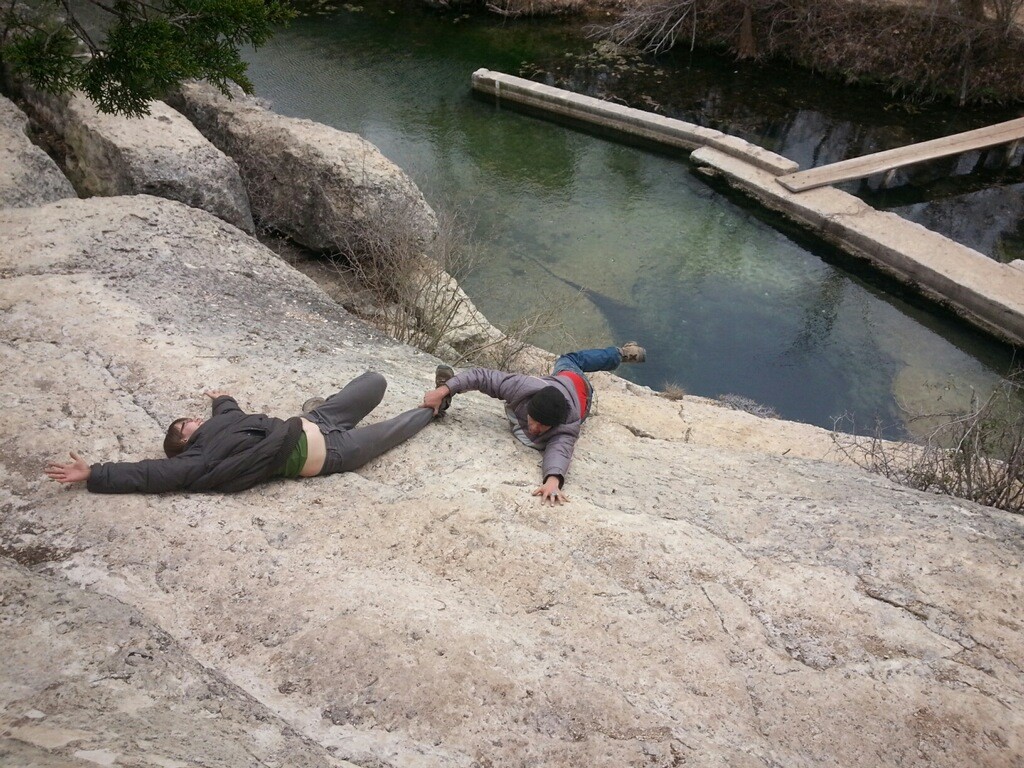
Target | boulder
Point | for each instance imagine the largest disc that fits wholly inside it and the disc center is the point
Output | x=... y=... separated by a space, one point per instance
x=716 y=594
x=161 y=154
x=27 y=174
x=326 y=189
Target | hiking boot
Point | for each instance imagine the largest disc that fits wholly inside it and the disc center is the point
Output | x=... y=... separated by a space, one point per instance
x=631 y=352
x=313 y=402
x=441 y=376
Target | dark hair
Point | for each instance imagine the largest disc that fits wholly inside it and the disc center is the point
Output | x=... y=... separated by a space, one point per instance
x=548 y=407
x=174 y=443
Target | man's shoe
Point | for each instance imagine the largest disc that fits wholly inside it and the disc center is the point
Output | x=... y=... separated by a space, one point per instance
x=313 y=402
x=441 y=376
x=631 y=352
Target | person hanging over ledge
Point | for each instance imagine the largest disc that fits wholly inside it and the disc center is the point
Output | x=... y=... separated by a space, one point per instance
x=546 y=412
x=234 y=450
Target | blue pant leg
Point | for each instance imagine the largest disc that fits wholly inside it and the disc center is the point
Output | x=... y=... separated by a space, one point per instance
x=588 y=360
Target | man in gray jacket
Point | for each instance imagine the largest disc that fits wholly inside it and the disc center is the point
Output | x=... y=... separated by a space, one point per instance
x=546 y=412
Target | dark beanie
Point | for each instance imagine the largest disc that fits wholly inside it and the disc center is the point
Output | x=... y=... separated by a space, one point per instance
x=548 y=406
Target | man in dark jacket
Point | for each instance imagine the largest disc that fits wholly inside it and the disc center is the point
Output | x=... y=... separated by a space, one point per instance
x=235 y=450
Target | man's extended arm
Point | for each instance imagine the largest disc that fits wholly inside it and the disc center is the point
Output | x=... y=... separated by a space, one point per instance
x=147 y=476
x=510 y=387
x=555 y=466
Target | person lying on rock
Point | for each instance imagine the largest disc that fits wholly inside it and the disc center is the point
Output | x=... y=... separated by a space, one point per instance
x=234 y=450
x=546 y=412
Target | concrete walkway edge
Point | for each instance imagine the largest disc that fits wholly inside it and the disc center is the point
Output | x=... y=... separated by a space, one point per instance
x=632 y=122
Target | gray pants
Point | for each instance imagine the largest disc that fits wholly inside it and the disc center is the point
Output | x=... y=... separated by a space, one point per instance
x=349 y=447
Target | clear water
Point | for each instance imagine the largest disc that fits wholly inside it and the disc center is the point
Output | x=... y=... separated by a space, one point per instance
x=628 y=244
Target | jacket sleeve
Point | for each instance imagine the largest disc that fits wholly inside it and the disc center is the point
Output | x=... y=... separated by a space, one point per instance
x=149 y=476
x=510 y=387
x=225 y=404
x=557 y=456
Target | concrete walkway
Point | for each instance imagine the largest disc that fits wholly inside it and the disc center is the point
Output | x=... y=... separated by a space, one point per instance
x=1010 y=132
x=984 y=292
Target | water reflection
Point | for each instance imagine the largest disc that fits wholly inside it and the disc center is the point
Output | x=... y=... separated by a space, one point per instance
x=531 y=157
x=724 y=302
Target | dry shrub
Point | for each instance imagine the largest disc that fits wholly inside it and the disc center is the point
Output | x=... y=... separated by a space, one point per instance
x=411 y=290
x=513 y=351
x=754 y=408
x=929 y=51
x=516 y=9
x=1007 y=13
x=671 y=391
x=978 y=455
x=1002 y=13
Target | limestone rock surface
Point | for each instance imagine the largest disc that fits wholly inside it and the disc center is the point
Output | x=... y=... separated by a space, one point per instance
x=324 y=188
x=702 y=601
x=27 y=174
x=88 y=681
x=161 y=154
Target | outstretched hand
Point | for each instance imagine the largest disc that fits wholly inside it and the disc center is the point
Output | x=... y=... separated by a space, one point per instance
x=77 y=471
x=434 y=399
x=213 y=394
x=550 y=493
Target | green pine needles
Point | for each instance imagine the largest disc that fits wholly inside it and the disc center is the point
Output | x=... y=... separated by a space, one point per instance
x=126 y=53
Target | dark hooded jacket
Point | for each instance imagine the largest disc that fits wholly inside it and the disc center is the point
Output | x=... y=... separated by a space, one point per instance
x=232 y=451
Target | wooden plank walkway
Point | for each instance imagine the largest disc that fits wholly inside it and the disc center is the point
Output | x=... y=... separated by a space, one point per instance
x=880 y=162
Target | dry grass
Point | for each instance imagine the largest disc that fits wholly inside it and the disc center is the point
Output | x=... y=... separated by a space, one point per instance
x=672 y=391
x=741 y=403
x=978 y=455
